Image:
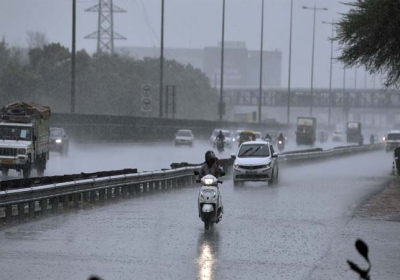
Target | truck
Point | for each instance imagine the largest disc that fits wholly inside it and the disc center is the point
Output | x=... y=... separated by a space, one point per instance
x=306 y=131
x=24 y=138
x=353 y=132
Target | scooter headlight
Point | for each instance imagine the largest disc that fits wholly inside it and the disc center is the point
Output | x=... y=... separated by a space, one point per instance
x=280 y=142
x=208 y=181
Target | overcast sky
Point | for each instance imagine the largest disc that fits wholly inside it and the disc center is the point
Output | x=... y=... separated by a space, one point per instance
x=194 y=24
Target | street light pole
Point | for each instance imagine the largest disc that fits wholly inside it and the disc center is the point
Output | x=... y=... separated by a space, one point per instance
x=261 y=61
x=315 y=9
x=330 y=71
x=73 y=54
x=162 y=60
x=221 y=88
x=290 y=61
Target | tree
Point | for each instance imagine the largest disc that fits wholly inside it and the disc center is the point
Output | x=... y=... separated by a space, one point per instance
x=36 y=40
x=369 y=36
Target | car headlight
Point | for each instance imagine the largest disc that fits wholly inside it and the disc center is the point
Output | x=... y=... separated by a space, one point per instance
x=267 y=165
x=58 y=141
x=233 y=139
x=21 y=151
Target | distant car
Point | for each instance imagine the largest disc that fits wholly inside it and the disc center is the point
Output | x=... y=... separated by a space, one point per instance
x=226 y=133
x=392 y=140
x=184 y=137
x=338 y=136
x=59 y=141
x=258 y=135
x=236 y=135
x=255 y=161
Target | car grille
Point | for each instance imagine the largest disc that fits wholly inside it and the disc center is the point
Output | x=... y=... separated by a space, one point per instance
x=251 y=166
x=8 y=152
x=252 y=176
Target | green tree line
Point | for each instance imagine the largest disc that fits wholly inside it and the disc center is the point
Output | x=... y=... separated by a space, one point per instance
x=108 y=84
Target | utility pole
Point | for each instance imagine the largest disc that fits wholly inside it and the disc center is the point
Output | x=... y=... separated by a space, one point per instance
x=261 y=61
x=221 y=106
x=105 y=34
x=162 y=60
x=332 y=23
x=290 y=61
x=315 y=9
x=73 y=53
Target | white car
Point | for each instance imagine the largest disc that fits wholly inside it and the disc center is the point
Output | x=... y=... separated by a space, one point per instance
x=255 y=161
x=226 y=133
x=184 y=137
x=258 y=135
x=392 y=140
x=338 y=136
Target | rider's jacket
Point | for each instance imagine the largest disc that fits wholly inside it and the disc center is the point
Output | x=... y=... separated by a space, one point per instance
x=214 y=170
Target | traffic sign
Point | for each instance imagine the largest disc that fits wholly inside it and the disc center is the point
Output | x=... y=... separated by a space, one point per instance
x=147 y=100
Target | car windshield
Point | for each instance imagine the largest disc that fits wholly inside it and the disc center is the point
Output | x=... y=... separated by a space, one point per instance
x=15 y=133
x=393 y=136
x=55 y=132
x=254 y=150
x=184 y=133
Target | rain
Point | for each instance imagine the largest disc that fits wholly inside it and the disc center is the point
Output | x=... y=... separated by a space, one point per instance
x=306 y=146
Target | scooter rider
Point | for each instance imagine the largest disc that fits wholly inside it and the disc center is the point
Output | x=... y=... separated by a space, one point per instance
x=212 y=167
x=281 y=137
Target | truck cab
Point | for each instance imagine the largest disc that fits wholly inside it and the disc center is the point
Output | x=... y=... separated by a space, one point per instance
x=24 y=138
x=353 y=132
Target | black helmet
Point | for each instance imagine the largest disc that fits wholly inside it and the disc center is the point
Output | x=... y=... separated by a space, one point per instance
x=210 y=155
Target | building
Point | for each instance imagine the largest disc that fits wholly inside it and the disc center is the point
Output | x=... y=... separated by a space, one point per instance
x=241 y=66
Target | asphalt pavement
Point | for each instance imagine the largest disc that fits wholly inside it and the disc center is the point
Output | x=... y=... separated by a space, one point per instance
x=302 y=228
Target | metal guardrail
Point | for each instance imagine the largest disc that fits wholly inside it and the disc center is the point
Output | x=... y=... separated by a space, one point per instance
x=20 y=204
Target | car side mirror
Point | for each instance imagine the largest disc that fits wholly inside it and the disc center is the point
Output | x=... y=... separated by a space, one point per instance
x=223 y=173
x=233 y=156
x=196 y=173
x=274 y=155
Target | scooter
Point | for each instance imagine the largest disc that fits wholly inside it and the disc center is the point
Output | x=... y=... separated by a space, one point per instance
x=220 y=145
x=209 y=200
x=281 y=145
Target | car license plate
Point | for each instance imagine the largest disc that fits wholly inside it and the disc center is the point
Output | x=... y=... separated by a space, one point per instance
x=251 y=172
x=7 y=161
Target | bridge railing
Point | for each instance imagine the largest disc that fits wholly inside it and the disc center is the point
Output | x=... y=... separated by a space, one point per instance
x=30 y=202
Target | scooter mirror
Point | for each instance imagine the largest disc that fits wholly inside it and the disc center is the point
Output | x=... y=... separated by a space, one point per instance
x=362 y=248
x=196 y=173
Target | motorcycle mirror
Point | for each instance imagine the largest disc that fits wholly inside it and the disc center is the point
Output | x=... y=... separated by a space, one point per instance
x=196 y=173
x=362 y=248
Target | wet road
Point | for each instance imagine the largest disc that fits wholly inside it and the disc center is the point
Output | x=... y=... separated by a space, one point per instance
x=299 y=229
x=94 y=157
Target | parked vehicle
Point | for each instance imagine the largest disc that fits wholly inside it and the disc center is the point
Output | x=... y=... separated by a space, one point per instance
x=306 y=131
x=184 y=137
x=255 y=161
x=59 y=141
x=24 y=131
x=353 y=132
x=209 y=200
x=392 y=140
x=258 y=135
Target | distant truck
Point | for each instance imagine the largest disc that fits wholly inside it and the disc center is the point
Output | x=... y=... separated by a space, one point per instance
x=392 y=140
x=306 y=131
x=24 y=138
x=353 y=132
